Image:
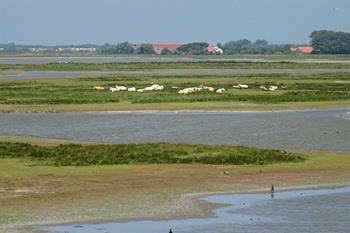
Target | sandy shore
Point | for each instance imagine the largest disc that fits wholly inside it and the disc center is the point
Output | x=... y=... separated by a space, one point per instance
x=184 y=110
x=190 y=205
x=176 y=107
x=42 y=195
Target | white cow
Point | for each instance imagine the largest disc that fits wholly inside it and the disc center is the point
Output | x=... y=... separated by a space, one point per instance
x=208 y=88
x=140 y=90
x=154 y=87
x=220 y=91
x=190 y=90
x=241 y=86
x=159 y=88
x=121 y=88
x=113 y=89
x=273 y=88
x=263 y=88
x=132 y=89
x=186 y=91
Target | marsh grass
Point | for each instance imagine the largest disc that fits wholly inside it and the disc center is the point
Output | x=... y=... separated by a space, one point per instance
x=296 y=88
x=152 y=153
x=171 y=65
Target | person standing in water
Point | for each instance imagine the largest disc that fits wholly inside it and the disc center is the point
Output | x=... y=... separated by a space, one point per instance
x=272 y=191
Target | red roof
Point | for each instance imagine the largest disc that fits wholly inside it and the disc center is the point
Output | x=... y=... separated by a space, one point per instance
x=306 y=49
x=212 y=48
x=159 y=47
x=302 y=49
x=171 y=47
x=293 y=50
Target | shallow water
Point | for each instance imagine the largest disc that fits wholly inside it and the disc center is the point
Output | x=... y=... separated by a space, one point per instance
x=327 y=130
x=37 y=75
x=323 y=210
x=46 y=60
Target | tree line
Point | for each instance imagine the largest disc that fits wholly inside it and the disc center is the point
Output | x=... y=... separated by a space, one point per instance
x=196 y=48
x=323 y=42
x=201 y=48
x=330 y=42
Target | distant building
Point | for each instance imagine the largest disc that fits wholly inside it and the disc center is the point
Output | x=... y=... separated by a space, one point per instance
x=37 y=50
x=75 y=50
x=302 y=50
x=215 y=49
x=158 y=48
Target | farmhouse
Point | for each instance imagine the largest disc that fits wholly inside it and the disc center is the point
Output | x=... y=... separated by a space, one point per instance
x=74 y=49
x=215 y=49
x=158 y=48
x=302 y=50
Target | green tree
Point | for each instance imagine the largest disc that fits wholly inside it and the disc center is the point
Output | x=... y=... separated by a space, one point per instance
x=330 y=42
x=145 y=49
x=124 y=48
x=240 y=46
x=166 y=52
x=121 y=48
x=196 y=48
x=244 y=46
x=261 y=43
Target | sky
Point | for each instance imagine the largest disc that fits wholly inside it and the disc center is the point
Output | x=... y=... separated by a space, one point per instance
x=58 y=22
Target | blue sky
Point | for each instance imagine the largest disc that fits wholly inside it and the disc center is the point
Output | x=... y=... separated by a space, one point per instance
x=52 y=22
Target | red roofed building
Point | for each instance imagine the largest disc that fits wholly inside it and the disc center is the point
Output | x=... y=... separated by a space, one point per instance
x=214 y=49
x=302 y=49
x=293 y=50
x=158 y=48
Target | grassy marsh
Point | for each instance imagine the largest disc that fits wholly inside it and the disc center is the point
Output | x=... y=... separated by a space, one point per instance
x=153 y=153
x=78 y=93
x=217 y=64
x=39 y=194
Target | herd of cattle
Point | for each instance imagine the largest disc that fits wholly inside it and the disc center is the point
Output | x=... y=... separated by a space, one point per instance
x=185 y=91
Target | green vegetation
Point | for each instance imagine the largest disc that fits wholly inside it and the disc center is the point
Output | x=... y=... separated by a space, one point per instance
x=145 y=49
x=329 y=42
x=258 y=47
x=156 y=153
x=324 y=41
x=121 y=48
x=165 y=52
x=292 y=88
x=196 y=48
x=223 y=64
